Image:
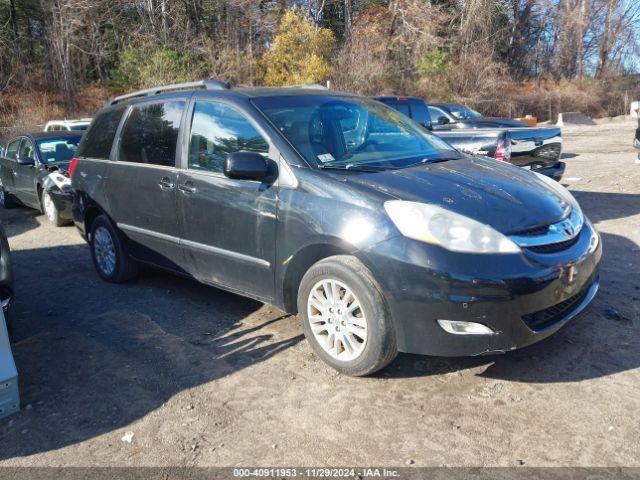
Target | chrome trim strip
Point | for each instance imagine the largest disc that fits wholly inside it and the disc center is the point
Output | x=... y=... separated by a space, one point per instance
x=225 y=253
x=149 y=233
x=566 y=229
x=196 y=245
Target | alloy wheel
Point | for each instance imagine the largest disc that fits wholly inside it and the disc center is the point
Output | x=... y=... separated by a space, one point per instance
x=337 y=319
x=49 y=207
x=104 y=250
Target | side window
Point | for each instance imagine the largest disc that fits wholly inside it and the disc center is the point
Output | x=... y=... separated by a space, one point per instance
x=97 y=141
x=12 y=149
x=26 y=149
x=436 y=113
x=420 y=113
x=150 y=133
x=218 y=130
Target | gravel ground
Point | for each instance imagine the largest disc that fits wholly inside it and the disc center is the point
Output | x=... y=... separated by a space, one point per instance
x=203 y=377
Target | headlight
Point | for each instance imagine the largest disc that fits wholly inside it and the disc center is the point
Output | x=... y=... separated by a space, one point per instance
x=561 y=191
x=438 y=226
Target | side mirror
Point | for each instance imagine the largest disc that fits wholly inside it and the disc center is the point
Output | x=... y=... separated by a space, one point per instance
x=443 y=120
x=246 y=166
x=26 y=161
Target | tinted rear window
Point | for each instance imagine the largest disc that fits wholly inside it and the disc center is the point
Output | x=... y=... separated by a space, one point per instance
x=98 y=140
x=150 y=133
x=54 y=150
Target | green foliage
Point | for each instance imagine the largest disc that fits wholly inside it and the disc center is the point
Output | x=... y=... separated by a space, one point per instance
x=434 y=63
x=140 y=67
x=299 y=53
x=434 y=71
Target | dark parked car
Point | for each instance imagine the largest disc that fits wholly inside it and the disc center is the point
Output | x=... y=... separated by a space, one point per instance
x=33 y=171
x=6 y=275
x=537 y=149
x=452 y=115
x=381 y=236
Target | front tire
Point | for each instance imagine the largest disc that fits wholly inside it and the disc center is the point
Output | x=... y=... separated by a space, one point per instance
x=345 y=318
x=110 y=258
x=50 y=210
x=6 y=200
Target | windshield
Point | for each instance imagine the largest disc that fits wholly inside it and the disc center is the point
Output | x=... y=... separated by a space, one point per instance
x=55 y=150
x=463 y=113
x=352 y=132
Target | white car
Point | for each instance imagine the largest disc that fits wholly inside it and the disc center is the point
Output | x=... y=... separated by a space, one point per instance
x=66 y=125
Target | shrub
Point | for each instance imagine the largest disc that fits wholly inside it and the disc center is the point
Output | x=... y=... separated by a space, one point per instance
x=299 y=53
x=141 y=67
x=434 y=71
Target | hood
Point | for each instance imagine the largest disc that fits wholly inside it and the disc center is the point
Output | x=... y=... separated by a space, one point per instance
x=490 y=122
x=508 y=198
x=61 y=166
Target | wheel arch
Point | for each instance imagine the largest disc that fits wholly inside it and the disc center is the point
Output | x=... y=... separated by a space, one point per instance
x=92 y=212
x=298 y=264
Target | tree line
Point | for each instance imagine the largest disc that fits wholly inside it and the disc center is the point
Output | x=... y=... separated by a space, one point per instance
x=444 y=49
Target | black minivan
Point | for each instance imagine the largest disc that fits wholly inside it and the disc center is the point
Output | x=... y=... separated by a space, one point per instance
x=381 y=236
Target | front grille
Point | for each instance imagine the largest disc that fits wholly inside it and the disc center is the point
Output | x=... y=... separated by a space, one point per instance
x=554 y=247
x=533 y=232
x=542 y=319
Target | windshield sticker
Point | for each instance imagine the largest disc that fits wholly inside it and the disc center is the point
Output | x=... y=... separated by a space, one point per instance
x=326 y=157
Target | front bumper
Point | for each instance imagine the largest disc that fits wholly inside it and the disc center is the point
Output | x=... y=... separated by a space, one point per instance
x=555 y=170
x=523 y=297
x=63 y=202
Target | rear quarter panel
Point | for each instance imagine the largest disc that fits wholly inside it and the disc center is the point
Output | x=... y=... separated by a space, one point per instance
x=87 y=189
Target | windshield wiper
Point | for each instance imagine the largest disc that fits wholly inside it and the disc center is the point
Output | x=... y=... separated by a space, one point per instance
x=427 y=161
x=352 y=168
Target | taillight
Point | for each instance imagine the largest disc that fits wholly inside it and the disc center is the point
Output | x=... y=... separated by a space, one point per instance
x=72 y=167
x=503 y=152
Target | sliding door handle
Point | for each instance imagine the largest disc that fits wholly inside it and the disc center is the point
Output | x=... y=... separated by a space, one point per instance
x=166 y=183
x=187 y=188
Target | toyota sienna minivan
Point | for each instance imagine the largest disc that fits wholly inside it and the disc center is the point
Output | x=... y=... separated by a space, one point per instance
x=379 y=235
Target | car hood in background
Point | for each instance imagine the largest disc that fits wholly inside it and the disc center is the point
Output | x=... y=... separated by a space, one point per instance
x=508 y=198
x=489 y=122
x=62 y=166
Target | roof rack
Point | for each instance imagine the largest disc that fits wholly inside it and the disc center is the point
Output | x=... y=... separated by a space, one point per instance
x=206 y=84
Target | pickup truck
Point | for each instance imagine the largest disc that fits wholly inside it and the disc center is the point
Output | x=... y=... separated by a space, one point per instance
x=536 y=149
x=33 y=172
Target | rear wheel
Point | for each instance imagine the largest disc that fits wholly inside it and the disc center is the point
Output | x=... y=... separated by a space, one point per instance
x=110 y=257
x=50 y=210
x=345 y=317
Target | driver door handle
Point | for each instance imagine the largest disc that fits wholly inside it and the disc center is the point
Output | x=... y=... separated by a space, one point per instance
x=166 y=183
x=187 y=188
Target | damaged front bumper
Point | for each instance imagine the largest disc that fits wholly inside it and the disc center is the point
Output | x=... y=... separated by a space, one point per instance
x=521 y=298
x=58 y=186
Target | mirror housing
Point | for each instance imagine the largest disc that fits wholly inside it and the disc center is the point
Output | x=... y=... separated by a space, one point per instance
x=442 y=120
x=246 y=166
x=25 y=161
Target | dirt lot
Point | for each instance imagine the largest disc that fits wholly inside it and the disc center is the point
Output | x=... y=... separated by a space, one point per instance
x=204 y=377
